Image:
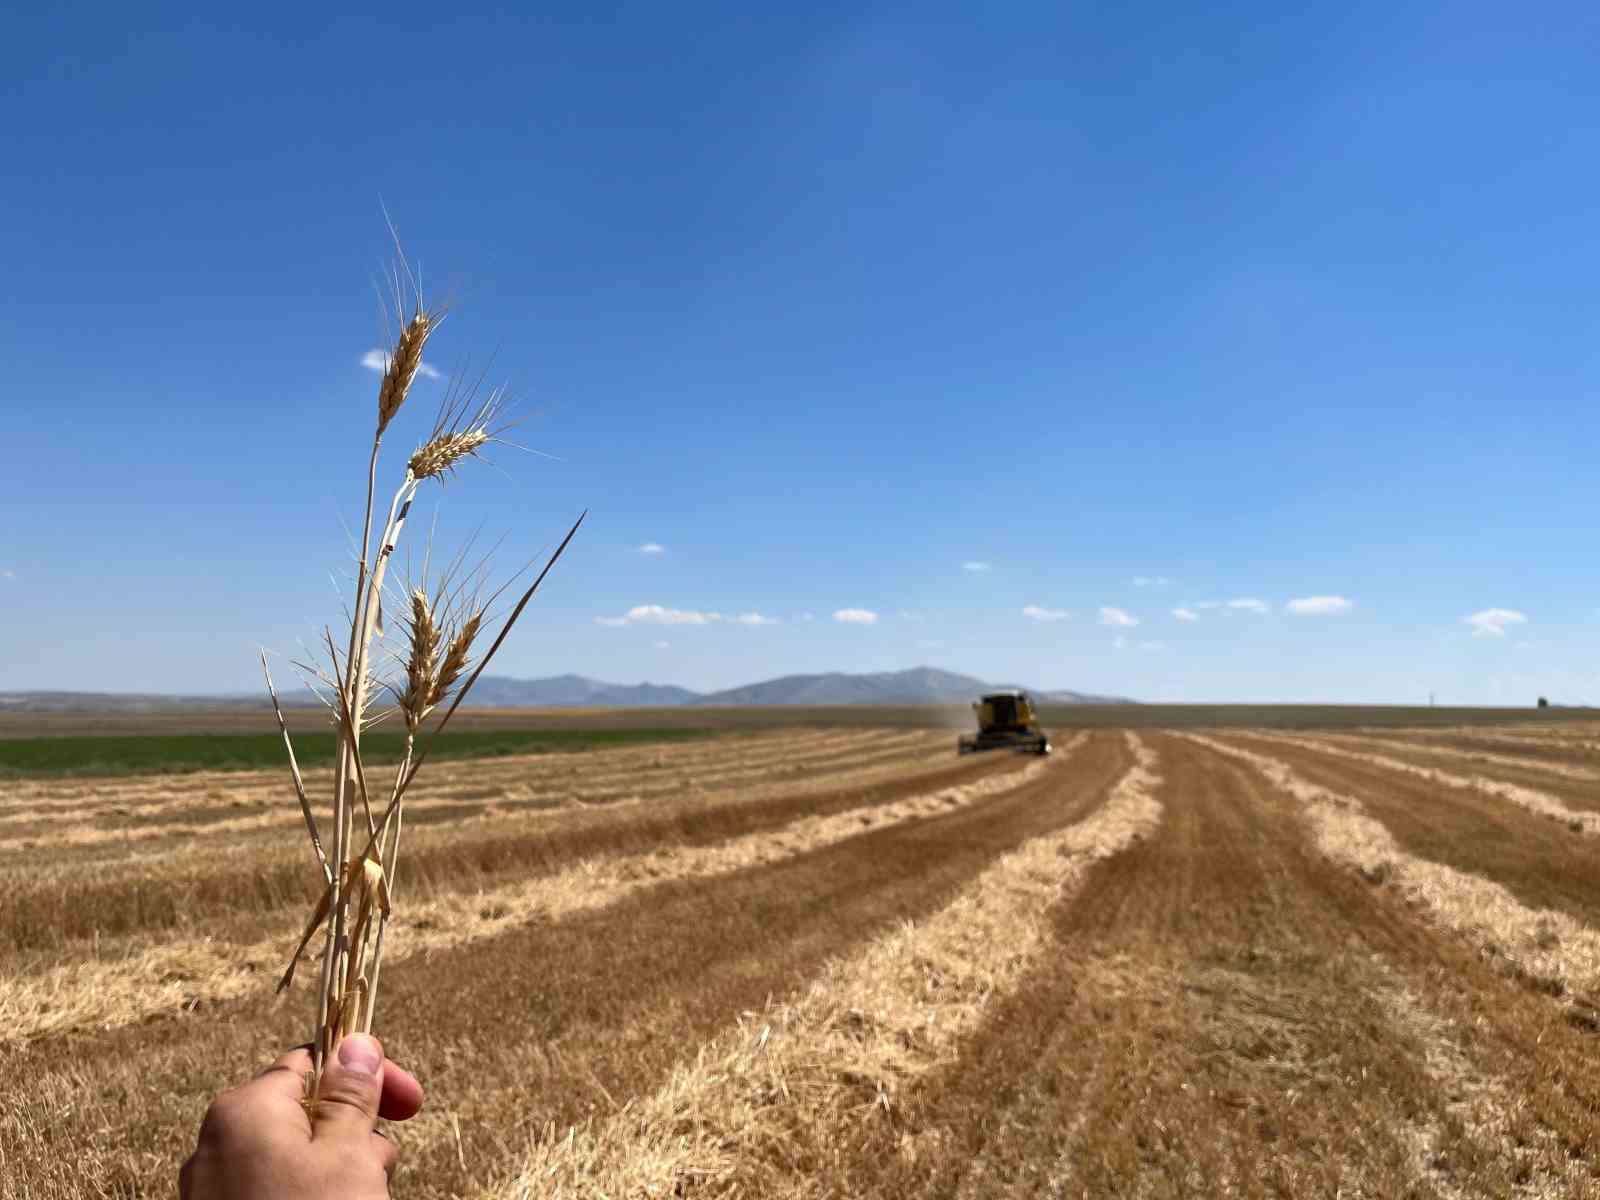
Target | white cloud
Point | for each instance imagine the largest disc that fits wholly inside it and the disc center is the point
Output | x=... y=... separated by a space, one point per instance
x=1205 y=604
x=651 y=549
x=1115 y=616
x=377 y=360
x=661 y=645
x=655 y=614
x=856 y=616
x=8 y=573
x=1318 y=606
x=755 y=618
x=1120 y=643
x=1249 y=604
x=976 y=566
x=1185 y=614
x=1035 y=612
x=1492 y=622
x=1153 y=581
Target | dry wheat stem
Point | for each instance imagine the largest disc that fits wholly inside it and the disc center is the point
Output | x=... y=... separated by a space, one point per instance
x=399 y=374
x=352 y=703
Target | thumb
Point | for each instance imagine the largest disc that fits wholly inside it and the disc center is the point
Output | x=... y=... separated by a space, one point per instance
x=352 y=1086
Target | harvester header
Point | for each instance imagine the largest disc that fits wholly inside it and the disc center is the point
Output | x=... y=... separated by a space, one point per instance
x=1006 y=721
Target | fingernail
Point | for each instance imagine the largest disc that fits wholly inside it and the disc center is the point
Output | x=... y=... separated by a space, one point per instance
x=361 y=1054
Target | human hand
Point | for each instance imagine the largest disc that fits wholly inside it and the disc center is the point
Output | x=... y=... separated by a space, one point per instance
x=257 y=1141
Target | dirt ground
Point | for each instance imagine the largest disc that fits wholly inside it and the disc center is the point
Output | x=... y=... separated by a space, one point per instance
x=829 y=960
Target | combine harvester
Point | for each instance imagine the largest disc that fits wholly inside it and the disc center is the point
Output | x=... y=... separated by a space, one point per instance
x=1006 y=721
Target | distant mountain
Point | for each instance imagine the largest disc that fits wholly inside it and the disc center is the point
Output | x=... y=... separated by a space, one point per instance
x=920 y=685
x=123 y=702
x=573 y=691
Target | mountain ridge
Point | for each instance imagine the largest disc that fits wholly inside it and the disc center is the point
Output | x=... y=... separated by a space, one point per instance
x=916 y=685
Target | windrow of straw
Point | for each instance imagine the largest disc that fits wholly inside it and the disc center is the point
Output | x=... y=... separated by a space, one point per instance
x=1543 y=945
x=766 y=1097
x=104 y=992
x=1534 y=800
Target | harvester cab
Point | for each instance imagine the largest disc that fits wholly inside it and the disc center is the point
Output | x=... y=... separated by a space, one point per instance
x=1006 y=721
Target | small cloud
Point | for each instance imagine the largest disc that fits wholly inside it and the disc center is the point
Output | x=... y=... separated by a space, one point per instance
x=1203 y=605
x=1152 y=646
x=1115 y=616
x=377 y=360
x=661 y=645
x=856 y=616
x=1318 y=606
x=1120 y=643
x=976 y=566
x=655 y=614
x=1249 y=604
x=1492 y=622
x=755 y=618
x=1038 y=613
x=1186 y=614
x=8 y=573
x=1150 y=581
x=651 y=549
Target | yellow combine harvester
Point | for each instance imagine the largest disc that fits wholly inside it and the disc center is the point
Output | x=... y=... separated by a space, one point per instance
x=1006 y=721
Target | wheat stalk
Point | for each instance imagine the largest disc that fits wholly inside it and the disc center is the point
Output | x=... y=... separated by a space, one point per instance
x=357 y=897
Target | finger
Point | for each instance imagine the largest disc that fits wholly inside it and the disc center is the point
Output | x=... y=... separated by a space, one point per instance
x=286 y=1076
x=291 y=1059
x=352 y=1086
x=386 y=1152
x=402 y=1094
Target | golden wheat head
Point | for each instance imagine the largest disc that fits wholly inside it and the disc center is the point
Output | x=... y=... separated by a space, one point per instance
x=456 y=657
x=422 y=660
x=402 y=367
x=438 y=457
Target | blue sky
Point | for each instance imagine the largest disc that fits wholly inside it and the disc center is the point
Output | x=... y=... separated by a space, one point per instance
x=1246 y=301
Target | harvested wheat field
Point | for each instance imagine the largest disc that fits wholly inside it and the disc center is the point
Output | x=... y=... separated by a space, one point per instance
x=830 y=961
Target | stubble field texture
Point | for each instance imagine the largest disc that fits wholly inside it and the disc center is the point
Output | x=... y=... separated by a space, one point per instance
x=832 y=959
